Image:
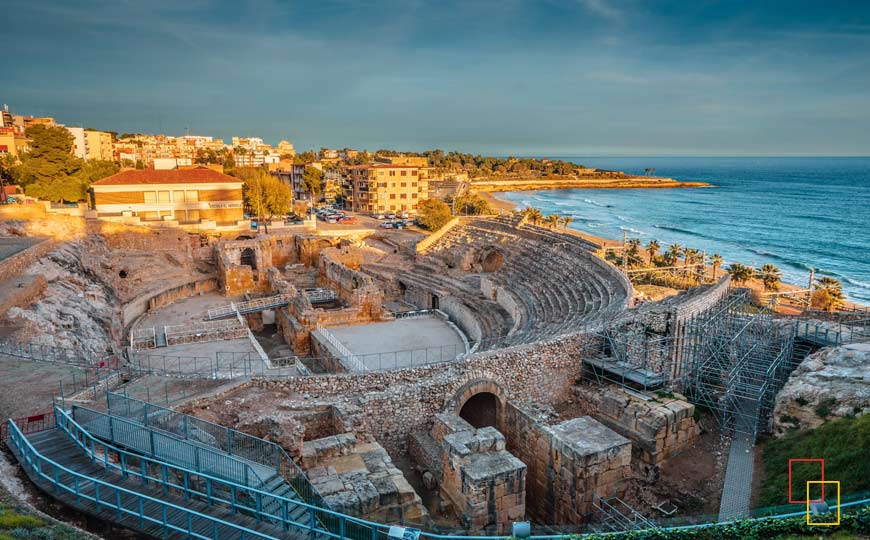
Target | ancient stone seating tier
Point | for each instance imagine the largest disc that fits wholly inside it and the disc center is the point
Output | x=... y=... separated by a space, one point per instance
x=559 y=284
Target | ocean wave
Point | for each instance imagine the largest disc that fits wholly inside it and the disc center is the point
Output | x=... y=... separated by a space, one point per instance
x=632 y=230
x=857 y=282
x=596 y=203
x=678 y=230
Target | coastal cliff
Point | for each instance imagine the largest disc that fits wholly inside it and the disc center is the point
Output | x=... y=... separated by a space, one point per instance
x=619 y=182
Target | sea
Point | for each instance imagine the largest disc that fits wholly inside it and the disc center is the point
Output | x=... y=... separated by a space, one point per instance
x=797 y=213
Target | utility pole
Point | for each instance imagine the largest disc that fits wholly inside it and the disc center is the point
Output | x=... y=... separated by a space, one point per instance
x=702 y=270
x=624 y=246
x=810 y=289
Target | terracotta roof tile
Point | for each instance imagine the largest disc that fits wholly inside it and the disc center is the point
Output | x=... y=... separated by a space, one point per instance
x=201 y=175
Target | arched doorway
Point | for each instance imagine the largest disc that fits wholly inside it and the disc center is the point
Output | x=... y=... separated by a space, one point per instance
x=480 y=402
x=481 y=410
x=248 y=258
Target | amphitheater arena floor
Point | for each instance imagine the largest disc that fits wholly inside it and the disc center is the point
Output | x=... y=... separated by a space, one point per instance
x=403 y=343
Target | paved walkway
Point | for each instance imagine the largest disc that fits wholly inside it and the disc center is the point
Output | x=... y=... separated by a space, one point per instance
x=737 y=489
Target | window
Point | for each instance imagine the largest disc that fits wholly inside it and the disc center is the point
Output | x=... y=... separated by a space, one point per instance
x=193 y=215
x=404 y=207
x=404 y=184
x=393 y=185
x=382 y=184
x=404 y=173
x=413 y=184
x=392 y=195
x=414 y=173
x=192 y=196
x=392 y=173
x=403 y=196
x=150 y=197
x=392 y=207
x=177 y=196
x=413 y=195
x=163 y=197
x=380 y=173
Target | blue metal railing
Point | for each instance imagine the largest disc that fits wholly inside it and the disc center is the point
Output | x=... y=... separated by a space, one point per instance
x=168 y=516
x=152 y=443
x=193 y=483
x=345 y=527
x=228 y=440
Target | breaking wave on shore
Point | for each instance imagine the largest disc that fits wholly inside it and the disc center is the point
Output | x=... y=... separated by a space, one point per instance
x=797 y=213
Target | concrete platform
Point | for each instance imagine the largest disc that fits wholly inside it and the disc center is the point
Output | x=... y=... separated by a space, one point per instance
x=408 y=342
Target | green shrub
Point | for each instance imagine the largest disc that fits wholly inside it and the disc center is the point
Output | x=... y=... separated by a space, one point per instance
x=9 y=519
x=800 y=400
x=824 y=408
x=842 y=443
x=787 y=419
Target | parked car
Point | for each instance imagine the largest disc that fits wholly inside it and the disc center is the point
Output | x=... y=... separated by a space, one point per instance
x=347 y=220
x=387 y=225
x=404 y=215
x=380 y=216
x=390 y=215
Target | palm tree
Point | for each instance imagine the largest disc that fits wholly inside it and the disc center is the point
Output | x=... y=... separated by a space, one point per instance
x=673 y=253
x=740 y=273
x=566 y=220
x=653 y=249
x=633 y=250
x=552 y=221
x=532 y=214
x=770 y=276
x=716 y=260
x=828 y=294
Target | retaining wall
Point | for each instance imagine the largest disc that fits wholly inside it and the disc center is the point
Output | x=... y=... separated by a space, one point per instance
x=393 y=404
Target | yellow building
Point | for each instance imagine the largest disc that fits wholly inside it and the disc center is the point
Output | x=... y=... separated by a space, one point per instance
x=184 y=195
x=99 y=145
x=380 y=187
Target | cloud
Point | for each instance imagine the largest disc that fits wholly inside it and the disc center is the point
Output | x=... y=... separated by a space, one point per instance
x=603 y=9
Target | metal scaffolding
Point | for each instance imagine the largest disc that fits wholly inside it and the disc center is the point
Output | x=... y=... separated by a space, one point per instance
x=730 y=359
x=738 y=357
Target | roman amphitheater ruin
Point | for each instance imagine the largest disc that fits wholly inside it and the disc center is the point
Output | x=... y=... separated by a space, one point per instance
x=492 y=373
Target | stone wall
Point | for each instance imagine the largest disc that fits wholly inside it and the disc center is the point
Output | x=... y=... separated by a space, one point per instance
x=17 y=263
x=393 y=404
x=427 y=242
x=568 y=464
x=659 y=427
x=485 y=483
x=20 y=291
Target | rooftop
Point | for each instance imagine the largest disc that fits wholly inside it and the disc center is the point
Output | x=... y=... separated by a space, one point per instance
x=383 y=166
x=199 y=175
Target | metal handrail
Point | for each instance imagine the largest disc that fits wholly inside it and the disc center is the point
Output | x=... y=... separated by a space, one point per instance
x=258 y=499
x=370 y=531
x=237 y=443
x=38 y=463
x=156 y=444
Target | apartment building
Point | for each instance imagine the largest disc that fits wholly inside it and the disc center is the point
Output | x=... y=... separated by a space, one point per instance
x=183 y=195
x=99 y=145
x=80 y=142
x=382 y=187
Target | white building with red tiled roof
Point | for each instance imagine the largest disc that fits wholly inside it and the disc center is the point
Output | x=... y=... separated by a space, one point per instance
x=183 y=195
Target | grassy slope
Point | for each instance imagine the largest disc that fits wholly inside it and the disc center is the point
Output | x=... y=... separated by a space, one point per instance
x=843 y=443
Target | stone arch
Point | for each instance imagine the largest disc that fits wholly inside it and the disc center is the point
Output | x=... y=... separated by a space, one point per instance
x=481 y=402
x=248 y=257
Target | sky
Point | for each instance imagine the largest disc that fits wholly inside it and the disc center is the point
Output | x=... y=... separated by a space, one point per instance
x=499 y=77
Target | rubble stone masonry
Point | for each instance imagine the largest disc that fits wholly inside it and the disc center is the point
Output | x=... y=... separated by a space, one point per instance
x=393 y=404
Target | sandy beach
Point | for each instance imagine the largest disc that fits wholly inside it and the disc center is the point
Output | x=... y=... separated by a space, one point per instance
x=500 y=205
